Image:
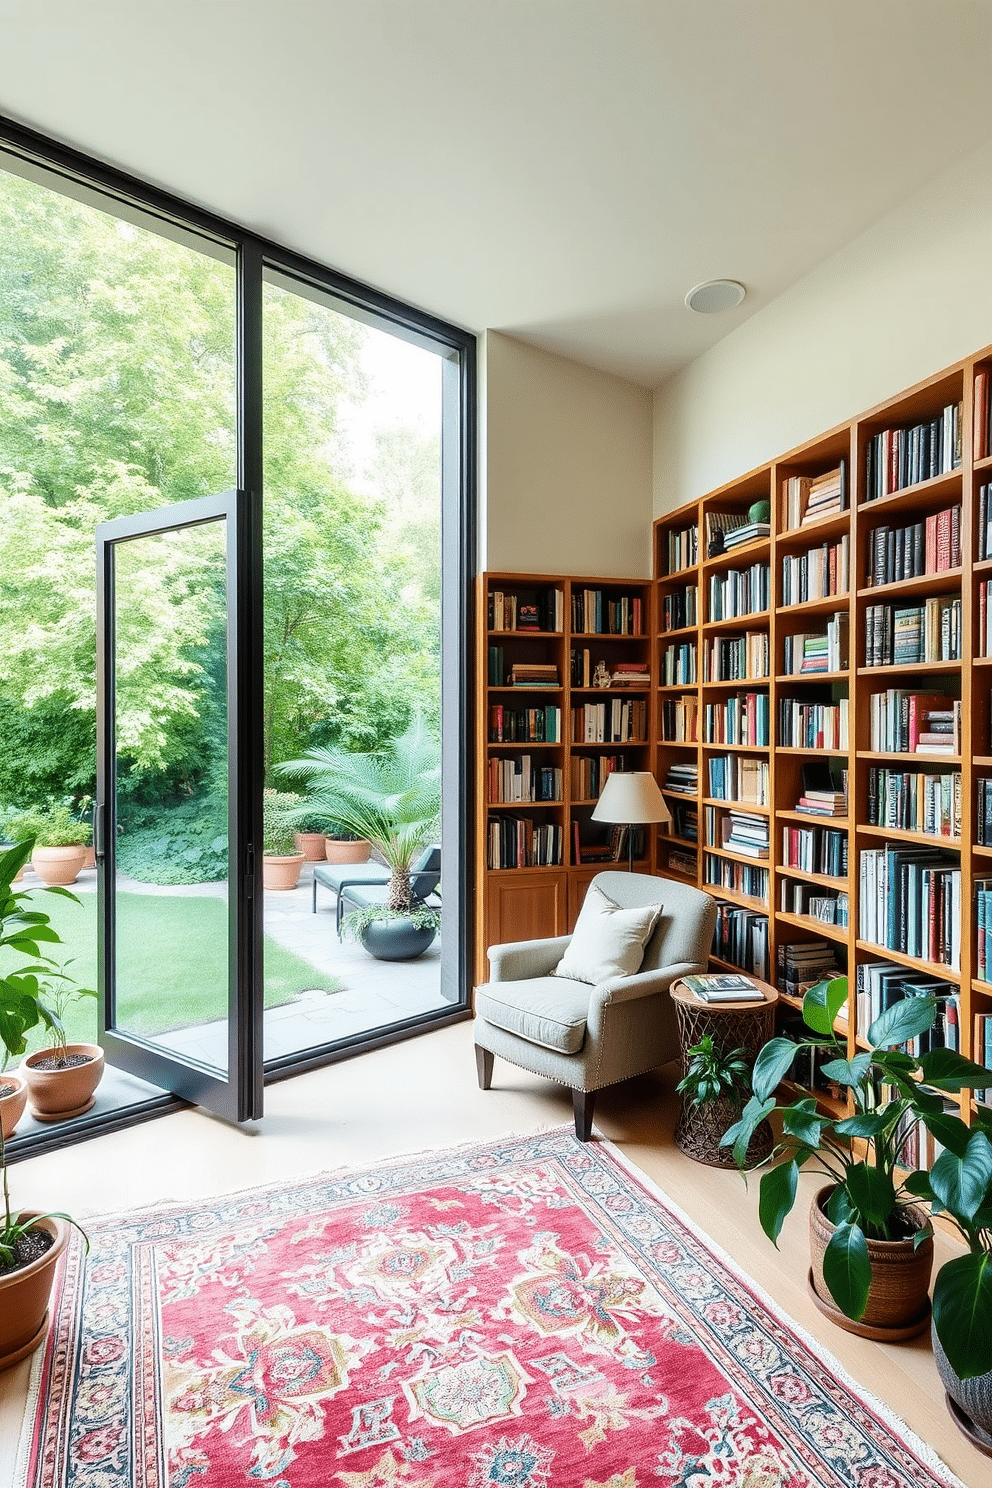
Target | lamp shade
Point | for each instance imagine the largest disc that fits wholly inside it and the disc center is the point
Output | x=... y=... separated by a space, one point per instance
x=631 y=797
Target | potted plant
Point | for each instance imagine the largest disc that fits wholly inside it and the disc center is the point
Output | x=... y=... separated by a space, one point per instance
x=62 y=1078
x=30 y=1243
x=281 y=863
x=714 y=1089
x=309 y=839
x=392 y=799
x=871 y=1244
x=60 y=843
x=959 y=1186
x=342 y=846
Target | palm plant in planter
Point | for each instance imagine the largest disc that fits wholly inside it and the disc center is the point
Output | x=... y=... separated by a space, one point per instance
x=30 y=1243
x=392 y=798
x=865 y=1220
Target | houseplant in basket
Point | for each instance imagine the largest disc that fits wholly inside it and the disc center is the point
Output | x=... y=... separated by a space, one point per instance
x=714 y=1089
x=281 y=862
x=871 y=1244
x=392 y=799
x=30 y=1243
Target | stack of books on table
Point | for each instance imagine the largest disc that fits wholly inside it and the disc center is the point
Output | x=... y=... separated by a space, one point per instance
x=682 y=778
x=533 y=674
x=807 y=498
x=729 y=987
x=742 y=833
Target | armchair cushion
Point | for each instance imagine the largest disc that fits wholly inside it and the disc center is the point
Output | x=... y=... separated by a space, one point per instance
x=607 y=941
x=549 y=1010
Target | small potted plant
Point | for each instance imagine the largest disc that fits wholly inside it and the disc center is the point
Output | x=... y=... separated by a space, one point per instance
x=281 y=863
x=871 y=1244
x=308 y=838
x=30 y=1242
x=342 y=846
x=62 y=1079
x=714 y=1088
x=60 y=843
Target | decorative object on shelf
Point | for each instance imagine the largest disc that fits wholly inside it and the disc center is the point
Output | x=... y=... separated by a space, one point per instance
x=601 y=675
x=392 y=799
x=759 y=511
x=632 y=798
x=866 y=1218
x=30 y=1242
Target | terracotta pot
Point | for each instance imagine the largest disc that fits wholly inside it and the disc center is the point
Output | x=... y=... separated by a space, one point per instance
x=58 y=866
x=347 y=852
x=24 y=1296
x=311 y=845
x=898 y=1297
x=90 y=859
x=12 y=1106
x=57 y=1094
x=281 y=872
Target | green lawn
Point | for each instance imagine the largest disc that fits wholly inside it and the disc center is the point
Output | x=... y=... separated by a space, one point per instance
x=172 y=963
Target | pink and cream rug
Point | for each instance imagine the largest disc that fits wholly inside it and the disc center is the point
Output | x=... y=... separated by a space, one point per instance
x=515 y=1314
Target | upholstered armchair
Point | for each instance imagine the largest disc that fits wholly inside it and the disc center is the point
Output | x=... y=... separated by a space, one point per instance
x=588 y=1034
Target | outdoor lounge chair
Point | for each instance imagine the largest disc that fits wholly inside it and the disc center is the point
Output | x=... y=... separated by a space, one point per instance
x=367 y=883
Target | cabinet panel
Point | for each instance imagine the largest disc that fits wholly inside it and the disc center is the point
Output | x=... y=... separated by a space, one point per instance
x=525 y=906
x=579 y=881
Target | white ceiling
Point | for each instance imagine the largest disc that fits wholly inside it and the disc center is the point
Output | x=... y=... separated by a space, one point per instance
x=562 y=170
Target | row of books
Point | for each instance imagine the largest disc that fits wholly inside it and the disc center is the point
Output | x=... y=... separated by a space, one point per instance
x=685 y=820
x=928 y=547
x=815 y=850
x=738 y=777
x=521 y=673
x=679 y=719
x=905 y=635
x=732 y=658
x=879 y=984
x=678 y=665
x=682 y=549
x=915 y=801
x=804 y=964
x=588 y=773
x=805 y=725
x=682 y=862
x=805 y=653
x=983 y=928
x=728 y=530
x=683 y=779
x=817 y=573
x=829 y=906
x=741 y=878
x=983 y=537
x=741 y=937
x=679 y=608
x=739 y=591
x=902 y=722
x=897 y=458
x=982 y=1047
x=596 y=613
x=616 y=721
x=982 y=426
x=542 y=610
x=984 y=638
x=739 y=832
x=910 y=901
x=517 y=778
x=741 y=719
x=524 y=725
x=983 y=811
x=807 y=498
x=517 y=842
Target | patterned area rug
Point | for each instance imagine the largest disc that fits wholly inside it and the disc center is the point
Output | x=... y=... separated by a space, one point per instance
x=514 y=1314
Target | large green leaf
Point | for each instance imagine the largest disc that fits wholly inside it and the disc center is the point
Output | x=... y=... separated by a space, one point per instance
x=946 y=1070
x=962 y=1181
x=776 y=1197
x=903 y=1021
x=847 y=1269
x=803 y=1121
x=867 y=1124
x=822 y=1003
x=847 y=1071
x=962 y=1313
x=872 y=1194
x=772 y=1065
x=950 y=1131
x=739 y=1135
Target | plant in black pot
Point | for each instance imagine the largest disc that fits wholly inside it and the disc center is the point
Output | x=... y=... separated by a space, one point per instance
x=714 y=1089
x=871 y=1244
x=391 y=798
x=30 y=1243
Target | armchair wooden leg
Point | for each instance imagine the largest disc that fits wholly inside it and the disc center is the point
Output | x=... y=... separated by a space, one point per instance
x=583 y=1102
x=484 y=1066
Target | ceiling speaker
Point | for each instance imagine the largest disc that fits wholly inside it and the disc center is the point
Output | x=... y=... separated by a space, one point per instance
x=715 y=295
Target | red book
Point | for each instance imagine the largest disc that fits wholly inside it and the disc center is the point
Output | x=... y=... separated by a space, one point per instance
x=980 y=430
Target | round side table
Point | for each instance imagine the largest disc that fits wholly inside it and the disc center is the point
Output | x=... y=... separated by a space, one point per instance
x=731 y=1025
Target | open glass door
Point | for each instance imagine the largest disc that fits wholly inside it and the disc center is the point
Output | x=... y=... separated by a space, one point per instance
x=179 y=974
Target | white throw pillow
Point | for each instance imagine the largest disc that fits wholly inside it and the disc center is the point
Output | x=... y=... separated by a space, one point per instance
x=607 y=941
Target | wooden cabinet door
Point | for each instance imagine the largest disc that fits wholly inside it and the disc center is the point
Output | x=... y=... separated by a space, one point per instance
x=578 y=883
x=525 y=906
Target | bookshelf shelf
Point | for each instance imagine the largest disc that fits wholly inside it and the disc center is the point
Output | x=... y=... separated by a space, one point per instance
x=738 y=684
x=751 y=621
x=919 y=754
x=741 y=556
x=812 y=533
x=915 y=963
x=897 y=834
x=803 y=679
x=746 y=901
x=839 y=933
x=828 y=880
x=909 y=668
x=947 y=580
x=735 y=748
x=913 y=498
x=685 y=842
x=809 y=819
x=788 y=749
x=684 y=632
x=736 y=805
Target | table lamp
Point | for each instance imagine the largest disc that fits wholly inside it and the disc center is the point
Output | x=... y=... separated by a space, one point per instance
x=631 y=798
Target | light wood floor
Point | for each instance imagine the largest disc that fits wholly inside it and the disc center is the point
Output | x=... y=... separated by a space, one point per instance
x=423 y=1094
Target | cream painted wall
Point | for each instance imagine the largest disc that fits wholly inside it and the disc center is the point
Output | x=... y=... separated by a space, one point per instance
x=909 y=296
x=566 y=462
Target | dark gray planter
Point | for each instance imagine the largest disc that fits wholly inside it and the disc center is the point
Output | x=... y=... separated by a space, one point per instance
x=396 y=940
x=973 y=1398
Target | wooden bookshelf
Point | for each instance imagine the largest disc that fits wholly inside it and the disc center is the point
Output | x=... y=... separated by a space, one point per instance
x=533 y=877
x=890 y=487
